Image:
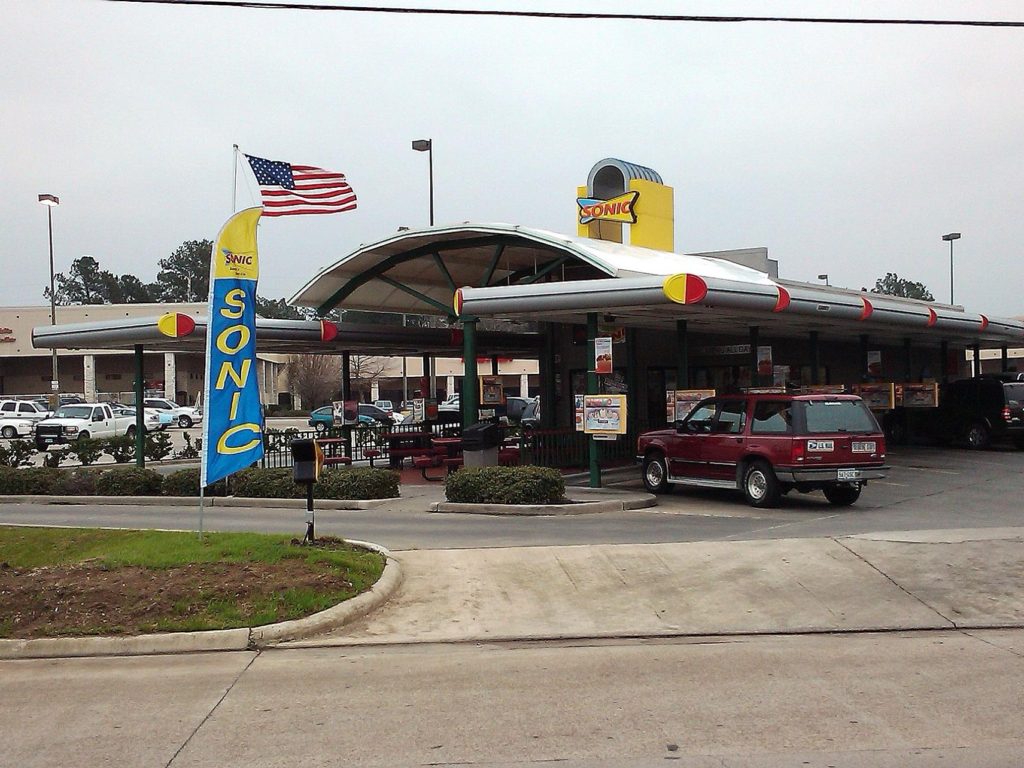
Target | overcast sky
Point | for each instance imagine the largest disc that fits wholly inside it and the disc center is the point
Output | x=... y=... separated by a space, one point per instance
x=845 y=150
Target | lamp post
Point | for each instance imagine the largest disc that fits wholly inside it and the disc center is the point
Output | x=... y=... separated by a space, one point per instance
x=951 y=237
x=823 y=277
x=427 y=145
x=51 y=202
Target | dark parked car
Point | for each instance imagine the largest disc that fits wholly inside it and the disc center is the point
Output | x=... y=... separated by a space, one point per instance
x=769 y=444
x=981 y=411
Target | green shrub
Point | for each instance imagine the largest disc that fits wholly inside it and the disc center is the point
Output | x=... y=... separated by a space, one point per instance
x=185 y=482
x=266 y=484
x=54 y=458
x=190 y=451
x=17 y=453
x=356 y=483
x=505 y=485
x=41 y=481
x=75 y=482
x=121 y=449
x=89 y=450
x=12 y=481
x=157 y=446
x=128 y=481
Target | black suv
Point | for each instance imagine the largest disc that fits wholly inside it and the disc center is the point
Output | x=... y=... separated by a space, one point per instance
x=981 y=411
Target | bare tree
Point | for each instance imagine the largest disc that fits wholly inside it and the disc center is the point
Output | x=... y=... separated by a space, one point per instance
x=364 y=370
x=314 y=378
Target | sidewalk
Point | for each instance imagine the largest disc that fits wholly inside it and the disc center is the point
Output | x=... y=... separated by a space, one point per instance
x=882 y=581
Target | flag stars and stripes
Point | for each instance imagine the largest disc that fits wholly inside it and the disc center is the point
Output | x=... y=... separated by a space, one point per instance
x=289 y=190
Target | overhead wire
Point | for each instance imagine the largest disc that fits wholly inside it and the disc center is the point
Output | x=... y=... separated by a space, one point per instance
x=581 y=15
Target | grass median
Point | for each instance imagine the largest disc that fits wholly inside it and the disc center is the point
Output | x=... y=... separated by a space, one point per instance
x=60 y=582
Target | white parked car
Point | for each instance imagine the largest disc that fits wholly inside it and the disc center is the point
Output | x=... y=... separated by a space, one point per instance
x=150 y=417
x=15 y=426
x=23 y=409
x=81 y=421
x=184 y=416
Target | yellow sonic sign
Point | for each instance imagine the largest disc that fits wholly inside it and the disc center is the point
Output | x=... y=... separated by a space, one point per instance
x=620 y=208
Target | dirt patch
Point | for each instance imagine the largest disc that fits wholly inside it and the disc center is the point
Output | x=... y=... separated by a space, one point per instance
x=89 y=599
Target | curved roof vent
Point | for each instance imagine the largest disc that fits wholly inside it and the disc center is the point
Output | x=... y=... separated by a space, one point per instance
x=610 y=177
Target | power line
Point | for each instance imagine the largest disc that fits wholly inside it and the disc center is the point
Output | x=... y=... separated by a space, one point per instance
x=570 y=15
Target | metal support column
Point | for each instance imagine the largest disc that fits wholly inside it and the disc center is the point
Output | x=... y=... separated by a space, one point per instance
x=864 y=343
x=755 y=337
x=682 y=356
x=346 y=394
x=943 y=360
x=815 y=359
x=593 y=388
x=633 y=382
x=1004 y=360
x=494 y=365
x=977 y=360
x=140 y=413
x=470 y=397
x=908 y=361
x=424 y=388
x=546 y=368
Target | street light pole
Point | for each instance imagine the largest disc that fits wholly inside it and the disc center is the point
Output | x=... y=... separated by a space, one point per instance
x=951 y=237
x=52 y=201
x=427 y=145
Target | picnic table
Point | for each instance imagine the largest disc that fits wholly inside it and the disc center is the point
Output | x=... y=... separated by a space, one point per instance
x=334 y=451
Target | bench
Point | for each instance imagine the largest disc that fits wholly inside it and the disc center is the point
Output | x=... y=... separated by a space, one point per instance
x=371 y=454
x=398 y=455
x=453 y=464
x=330 y=461
x=428 y=461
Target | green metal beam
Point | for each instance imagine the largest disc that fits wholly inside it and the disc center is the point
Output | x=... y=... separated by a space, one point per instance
x=416 y=294
x=140 y=415
x=517 y=277
x=549 y=268
x=444 y=270
x=498 y=251
x=400 y=258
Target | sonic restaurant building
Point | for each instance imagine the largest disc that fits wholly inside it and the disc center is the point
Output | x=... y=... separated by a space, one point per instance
x=721 y=320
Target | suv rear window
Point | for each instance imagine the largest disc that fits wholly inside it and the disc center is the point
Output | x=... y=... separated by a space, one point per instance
x=1014 y=395
x=838 y=416
x=771 y=417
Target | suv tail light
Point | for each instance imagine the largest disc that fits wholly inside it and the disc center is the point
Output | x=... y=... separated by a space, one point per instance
x=797 y=451
x=1006 y=413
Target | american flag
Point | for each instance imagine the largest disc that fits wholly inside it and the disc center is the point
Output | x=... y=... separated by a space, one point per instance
x=289 y=190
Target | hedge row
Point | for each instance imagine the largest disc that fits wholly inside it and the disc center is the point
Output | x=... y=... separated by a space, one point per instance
x=505 y=485
x=359 y=483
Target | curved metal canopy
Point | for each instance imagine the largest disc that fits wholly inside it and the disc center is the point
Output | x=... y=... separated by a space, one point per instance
x=418 y=271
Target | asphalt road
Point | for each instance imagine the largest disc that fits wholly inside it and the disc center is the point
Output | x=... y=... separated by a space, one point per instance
x=928 y=488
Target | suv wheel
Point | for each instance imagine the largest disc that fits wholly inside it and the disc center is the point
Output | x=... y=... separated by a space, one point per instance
x=130 y=432
x=84 y=435
x=978 y=437
x=842 y=495
x=10 y=432
x=760 y=486
x=655 y=473
x=184 y=421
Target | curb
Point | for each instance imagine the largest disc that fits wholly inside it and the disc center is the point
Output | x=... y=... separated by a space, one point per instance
x=240 y=639
x=607 y=500
x=193 y=501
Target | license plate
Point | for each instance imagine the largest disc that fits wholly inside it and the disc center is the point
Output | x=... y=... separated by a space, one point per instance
x=864 y=447
x=848 y=474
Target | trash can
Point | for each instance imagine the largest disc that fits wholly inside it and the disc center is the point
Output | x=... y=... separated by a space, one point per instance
x=480 y=444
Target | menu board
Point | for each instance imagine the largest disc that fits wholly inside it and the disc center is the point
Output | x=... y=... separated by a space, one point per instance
x=577 y=402
x=877 y=397
x=823 y=389
x=679 y=402
x=604 y=414
x=491 y=391
x=912 y=395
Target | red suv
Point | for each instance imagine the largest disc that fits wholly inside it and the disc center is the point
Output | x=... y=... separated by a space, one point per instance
x=767 y=445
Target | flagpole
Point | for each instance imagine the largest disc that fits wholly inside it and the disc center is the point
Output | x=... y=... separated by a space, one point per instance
x=201 y=512
x=234 y=177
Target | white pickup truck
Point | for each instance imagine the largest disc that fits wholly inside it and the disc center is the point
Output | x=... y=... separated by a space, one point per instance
x=82 y=421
